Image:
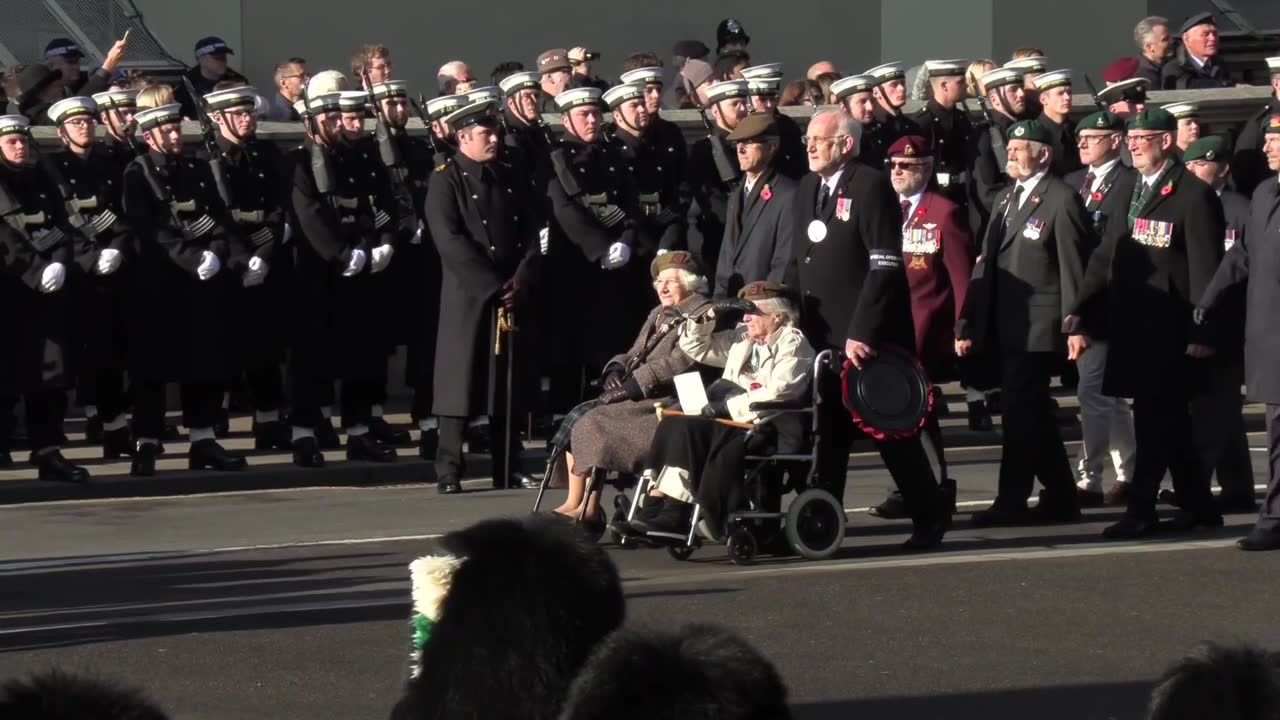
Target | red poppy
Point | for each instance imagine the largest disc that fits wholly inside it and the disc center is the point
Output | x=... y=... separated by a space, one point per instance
x=1035 y=199
x=1168 y=188
x=756 y=386
x=1096 y=197
x=766 y=193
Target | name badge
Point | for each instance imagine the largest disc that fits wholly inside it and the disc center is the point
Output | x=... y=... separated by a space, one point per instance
x=1033 y=230
x=944 y=179
x=844 y=208
x=1153 y=233
x=817 y=231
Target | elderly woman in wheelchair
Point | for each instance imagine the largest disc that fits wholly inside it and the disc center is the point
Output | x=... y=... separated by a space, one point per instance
x=700 y=458
x=614 y=431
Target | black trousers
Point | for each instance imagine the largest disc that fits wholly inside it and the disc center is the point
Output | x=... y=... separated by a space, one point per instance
x=713 y=454
x=1217 y=424
x=1162 y=429
x=104 y=389
x=449 y=461
x=310 y=394
x=44 y=412
x=1269 y=515
x=201 y=406
x=1031 y=447
x=265 y=383
x=905 y=458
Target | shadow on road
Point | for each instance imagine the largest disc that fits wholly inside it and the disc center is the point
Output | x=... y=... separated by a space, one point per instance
x=1102 y=701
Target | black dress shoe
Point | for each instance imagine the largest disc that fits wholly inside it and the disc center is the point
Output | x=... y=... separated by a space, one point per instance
x=272 y=435
x=428 y=444
x=208 y=454
x=1055 y=511
x=448 y=485
x=1237 y=504
x=1259 y=540
x=1185 y=521
x=893 y=508
x=93 y=429
x=116 y=443
x=144 y=460
x=367 y=447
x=1001 y=516
x=306 y=453
x=521 y=481
x=327 y=436
x=1167 y=496
x=980 y=417
x=171 y=433
x=53 y=466
x=388 y=434
x=1131 y=529
x=926 y=537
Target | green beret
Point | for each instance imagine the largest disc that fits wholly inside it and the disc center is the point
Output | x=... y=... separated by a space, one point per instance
x=1273 y=125
x=1213 y=148
x=754 y=127
x=1102 y=120
x=679 y=259
x=1153 y=119
x=765 y=289
x=1030 y=130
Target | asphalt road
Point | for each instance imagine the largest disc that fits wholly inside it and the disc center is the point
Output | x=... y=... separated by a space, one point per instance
x=292 y=604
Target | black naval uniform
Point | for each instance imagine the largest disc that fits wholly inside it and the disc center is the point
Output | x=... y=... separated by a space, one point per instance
x=480 y=219
x=853 y=285
x=710 y=206
x=174 y=208
x=39 y=354
x=1249 y=164
x=257 y=180
x=91 y=189
x=1062 y=137
x=793 y=157
x=657 y=172
x=1154 y=269
x=949 y=134
x=989 y=177
x=884 y=131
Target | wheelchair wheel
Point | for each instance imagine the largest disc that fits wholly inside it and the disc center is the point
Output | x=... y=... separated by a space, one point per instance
x=815 y=524
x=680 y=552
x=620 y=507
x=742 y=547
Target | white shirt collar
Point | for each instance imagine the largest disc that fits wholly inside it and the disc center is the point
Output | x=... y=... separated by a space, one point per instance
x=1101 y=172
x=1200 y=63
x=748 y=183
x=1151 y=179
x=833 y=181
x=1030 y=184
x=915 y=203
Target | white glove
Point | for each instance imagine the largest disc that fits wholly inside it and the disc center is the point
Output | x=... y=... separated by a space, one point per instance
x=256 y=273
x=356 y=264
x=382 y=257
x=108 y=261
x=209 y=265
x=287 y=235
x=544 y=240
x=417 y=235
x=619 y=254
x=52 y=278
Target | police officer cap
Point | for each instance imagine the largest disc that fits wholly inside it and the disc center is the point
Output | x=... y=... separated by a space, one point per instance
x=516 y=82
x=754 y=127
x=63 y=47
x=910 y=146
x=212 y=45
x=1200 y=18
x=852 y=85
x=116 y=99
x=1152 y=119
x=64 y=110
x=1001 y=77
x=353 y=100
x=1272 y=126
x=1033 y=64
x=1052 y=79
x=888 y=71
x=389 y=89
x=1213 y=148
x=578 y=97
x=232 y=97
x=1182 y=110
x=489 y=92
x=765 y=290
x=767 y=70
x=1029 y=130
x=10 y=124
x=645 y=75
x=484 y=113
x=441 y=106
x=678 y=259
x=157 y=116
x=1134 y=90
x=945 y=68
x=727 y=90
x=730 y=30
x=1101 y=120
x=618 y=94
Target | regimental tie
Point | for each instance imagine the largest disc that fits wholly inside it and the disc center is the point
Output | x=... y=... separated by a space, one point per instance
x=1087 y=188
x=1140 y=193
x=1014 y=204
x=824 y=196
x=906 y=211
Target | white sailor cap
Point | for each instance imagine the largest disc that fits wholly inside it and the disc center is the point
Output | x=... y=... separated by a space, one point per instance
x=353 y=100
x=116 y=99
x=389 y=89
x=1028 y=65
x=300 y=107
x=64 y=110
x=471 y=114
x=888 y=71
x=10 y=124
x=768 y=70
x=852 y=85
x=1046 y=81
x=489 y=92
x=727 y=90
x=232 y=97
x=1182 y=110
x=578 y=97
x=945 y=68
x=516 y=82
x=764 y=86
x=1273 y=64
x=646 y=75
x=327 y=81
x=1115 y=92
x=618 y=94
x=1001 y=77
x=325 y=103
x=441 y=106
x=157 y=116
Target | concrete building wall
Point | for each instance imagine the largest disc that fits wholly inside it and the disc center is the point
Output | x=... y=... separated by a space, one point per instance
x=179 y=23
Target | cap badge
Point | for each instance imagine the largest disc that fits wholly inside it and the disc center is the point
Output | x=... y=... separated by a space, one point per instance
x=909 y=150
x=1275 y=121
x=1019 y=132
x=1210 y=155
x=1102 y=122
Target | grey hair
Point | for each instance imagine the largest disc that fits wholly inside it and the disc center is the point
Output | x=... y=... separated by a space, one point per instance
x=1147 y=25
x=780 y=306
x=693 y=282
x=847 y=125
x=1038 y=147
x=447 y=75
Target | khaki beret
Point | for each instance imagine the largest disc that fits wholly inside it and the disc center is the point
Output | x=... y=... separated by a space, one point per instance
x=678 y=259
x=754 y=127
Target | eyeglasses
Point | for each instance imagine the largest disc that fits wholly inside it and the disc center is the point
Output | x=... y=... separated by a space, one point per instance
x=813 y=141
x=78 y=122
x=291 y=76
x=1142 y=139
x=912 y=166
x=1093 y=139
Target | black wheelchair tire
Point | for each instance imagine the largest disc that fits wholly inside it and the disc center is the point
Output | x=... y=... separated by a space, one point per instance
x=815 y=524
x=742 y=547
x=680 y=552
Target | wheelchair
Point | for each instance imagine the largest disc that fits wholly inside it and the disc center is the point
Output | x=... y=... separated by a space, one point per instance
x=812 y=526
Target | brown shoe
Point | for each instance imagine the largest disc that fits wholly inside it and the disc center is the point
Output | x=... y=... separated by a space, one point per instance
x=1117 y=494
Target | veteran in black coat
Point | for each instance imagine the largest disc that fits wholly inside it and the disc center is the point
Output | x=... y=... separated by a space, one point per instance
x=1153 y=270
x=480 y=215
x=855 y=298
x=1027 y=278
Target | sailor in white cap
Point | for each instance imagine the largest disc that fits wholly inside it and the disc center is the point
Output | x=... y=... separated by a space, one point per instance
x=1030 y=67
x=437 y=109
x=714 y=171
x=115 y=113
x=662 y=133
x=480 y=213
x=520 y=96
x=484 y=94
x=653 y=171
x=39 y=347
x=890 y=123
x=1250 y=163
x=1007 y=100
x=946 y=128
x=1053 y=90
x=186 y=242
x=1188 y=116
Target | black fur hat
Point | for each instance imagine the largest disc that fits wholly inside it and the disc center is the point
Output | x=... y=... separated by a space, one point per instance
x=57 y=695
x=506 y=619
x=699 y=672
x=1224 y=683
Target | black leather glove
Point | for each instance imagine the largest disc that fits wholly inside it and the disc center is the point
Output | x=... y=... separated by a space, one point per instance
x=716 y=409
x=629 y=390
x=726 y=306
x=613 y=379
x=1198 y=315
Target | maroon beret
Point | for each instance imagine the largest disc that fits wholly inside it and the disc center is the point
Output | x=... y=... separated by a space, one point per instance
x=1122 y=69
x=911 y=146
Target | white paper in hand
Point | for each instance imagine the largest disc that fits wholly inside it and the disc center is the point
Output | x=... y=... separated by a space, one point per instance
x=691 y=393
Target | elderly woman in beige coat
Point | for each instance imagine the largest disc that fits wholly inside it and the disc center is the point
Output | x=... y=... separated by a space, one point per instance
x=614 y=431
